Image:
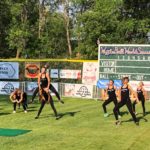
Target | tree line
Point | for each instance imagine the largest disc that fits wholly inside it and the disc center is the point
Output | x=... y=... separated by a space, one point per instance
x=70 y=28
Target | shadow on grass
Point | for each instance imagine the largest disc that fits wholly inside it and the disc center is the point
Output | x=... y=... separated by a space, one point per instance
x=61 y=115
x=121 y=113
x=72 y=114
x=2 y=114
x=30 y=107
x=138 y=118
x=31 y=110
x=147 y=113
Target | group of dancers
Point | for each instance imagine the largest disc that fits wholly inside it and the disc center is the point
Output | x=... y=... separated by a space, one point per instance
x=43 y=89
x=119 y=97
x=123 y=96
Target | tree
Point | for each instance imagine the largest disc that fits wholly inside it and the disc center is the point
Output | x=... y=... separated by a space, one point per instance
x=134 y=21
x=5 y=20
x=19 y=29
x=99 y=21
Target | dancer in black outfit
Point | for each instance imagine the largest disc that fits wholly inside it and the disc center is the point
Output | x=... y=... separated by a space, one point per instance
x=125 y=100
x=44 y=83
x=19 y=97
x=51 y=87
x=111 y=92
x=141 y=93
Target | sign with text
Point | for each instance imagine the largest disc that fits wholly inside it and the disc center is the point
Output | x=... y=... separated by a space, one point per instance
x=7 y=88
x=9 y=70
x=70 y=74
x=118 y=61
x=83 y=91
x=54 y=73
x=89 y=75
x=78 y=90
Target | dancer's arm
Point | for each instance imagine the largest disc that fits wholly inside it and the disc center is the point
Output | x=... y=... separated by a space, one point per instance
x=134 y=93
x=21 y=98
x=12 y=97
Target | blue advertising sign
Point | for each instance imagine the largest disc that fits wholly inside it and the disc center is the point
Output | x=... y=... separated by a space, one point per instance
x=103 y=84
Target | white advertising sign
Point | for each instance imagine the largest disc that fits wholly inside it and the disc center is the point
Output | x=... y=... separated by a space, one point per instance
x=83 y=91
x=9 y=70
x=78 y=90
x=54 y=73
x=69 y=90
x=70 y=74
x=7 y=87
x=89 y=74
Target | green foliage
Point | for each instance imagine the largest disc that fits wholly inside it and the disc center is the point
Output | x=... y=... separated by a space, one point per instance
x=98 y=22
x=115 y=21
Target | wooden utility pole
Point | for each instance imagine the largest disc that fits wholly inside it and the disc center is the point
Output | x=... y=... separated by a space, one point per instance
x=65 y=4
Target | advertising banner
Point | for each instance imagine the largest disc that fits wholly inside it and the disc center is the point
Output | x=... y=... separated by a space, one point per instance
x=90 y=71
x=9 y=70
x=7 y=87
x=70 y=74
x=69 y=90
x=32 y=70
x=54 y=73
x=103 y=84
x=83 y=91
x=31 y=86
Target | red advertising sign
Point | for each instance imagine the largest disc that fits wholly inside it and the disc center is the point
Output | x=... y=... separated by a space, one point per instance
x=32 y=70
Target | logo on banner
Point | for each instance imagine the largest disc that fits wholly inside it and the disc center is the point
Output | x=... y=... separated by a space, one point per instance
x=83 y=91
x=54 y=73
x=32 y=70
x=8 y=88
x=69 y=89
x=7 y=70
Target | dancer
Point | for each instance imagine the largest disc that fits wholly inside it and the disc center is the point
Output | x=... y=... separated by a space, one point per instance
x=19 y=97
x=43 y=84
x=141 y=93
x=111 y=92
x=125 y=100
x=51 y=87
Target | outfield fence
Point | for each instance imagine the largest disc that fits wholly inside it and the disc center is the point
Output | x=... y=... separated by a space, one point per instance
x=71 y=78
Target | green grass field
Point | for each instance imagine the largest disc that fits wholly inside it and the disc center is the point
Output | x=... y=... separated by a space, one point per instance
x=81 y=127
